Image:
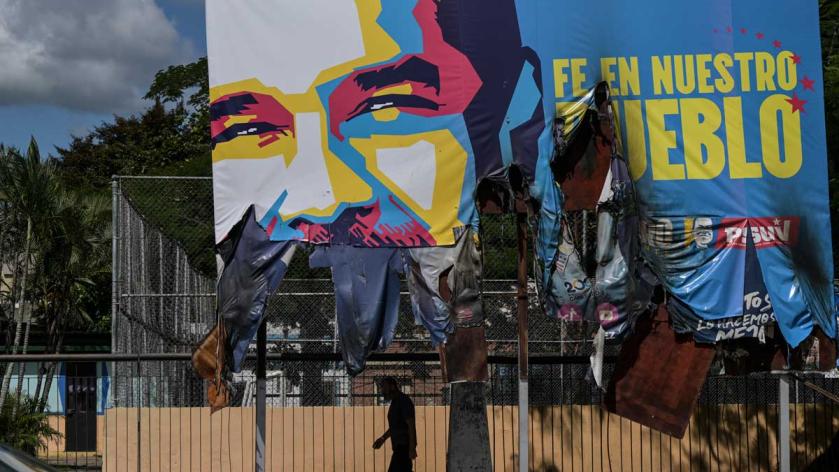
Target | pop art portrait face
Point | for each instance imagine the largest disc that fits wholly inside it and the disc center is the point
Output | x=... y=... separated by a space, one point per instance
x=703 y=232
x=357 y=123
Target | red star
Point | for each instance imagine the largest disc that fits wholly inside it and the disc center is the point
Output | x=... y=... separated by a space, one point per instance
x=727 y=29
x=759 y=36
x=777 y=44
x=797 y=103
x=796 y=59
x=807 y=83
x=743 y=31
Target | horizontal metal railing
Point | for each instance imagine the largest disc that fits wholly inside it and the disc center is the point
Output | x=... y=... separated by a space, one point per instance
x=290 y=357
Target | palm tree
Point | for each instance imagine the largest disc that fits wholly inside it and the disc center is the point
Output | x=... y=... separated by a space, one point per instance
x=28 y=189
x=74 y=252
x=23 y=427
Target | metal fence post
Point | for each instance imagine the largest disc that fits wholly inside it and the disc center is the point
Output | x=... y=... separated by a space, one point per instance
x=261 y=346
x=521 y=308
x=140 y=416
x=114 y=265
x=783 y=424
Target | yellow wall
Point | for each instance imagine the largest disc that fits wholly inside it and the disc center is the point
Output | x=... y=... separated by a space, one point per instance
x=569 y=438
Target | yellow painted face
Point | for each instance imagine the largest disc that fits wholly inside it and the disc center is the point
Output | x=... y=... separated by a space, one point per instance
x=319 y=169
x=304 y=139
x=345 y=185
x=304 y=124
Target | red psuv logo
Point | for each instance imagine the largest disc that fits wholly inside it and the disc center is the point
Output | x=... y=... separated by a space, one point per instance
x=765 y=232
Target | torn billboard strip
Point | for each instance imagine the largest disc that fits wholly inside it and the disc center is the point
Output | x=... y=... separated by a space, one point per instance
x=370 y=123
x=445 y=286
x=619 y=289
x=367 y=297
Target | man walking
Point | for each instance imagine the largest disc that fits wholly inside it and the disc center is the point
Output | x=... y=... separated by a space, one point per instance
x=402 y=428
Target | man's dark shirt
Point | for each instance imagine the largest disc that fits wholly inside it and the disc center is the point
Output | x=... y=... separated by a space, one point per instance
x=401 y=409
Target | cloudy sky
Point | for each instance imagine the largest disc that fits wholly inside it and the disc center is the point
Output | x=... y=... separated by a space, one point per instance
x=68 y=65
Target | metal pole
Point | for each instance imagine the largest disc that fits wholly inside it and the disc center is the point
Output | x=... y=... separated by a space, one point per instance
x=783 y=424
x=114 y=264
x=521 y=305
x=139 y=418
x=261 y=348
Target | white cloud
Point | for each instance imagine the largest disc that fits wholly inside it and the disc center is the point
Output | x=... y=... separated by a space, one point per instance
x=94 y=55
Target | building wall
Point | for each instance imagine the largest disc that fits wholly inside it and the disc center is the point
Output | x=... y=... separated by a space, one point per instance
x=57 y=400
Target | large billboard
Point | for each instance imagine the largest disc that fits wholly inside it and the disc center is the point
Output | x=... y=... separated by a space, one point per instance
x=371 y=123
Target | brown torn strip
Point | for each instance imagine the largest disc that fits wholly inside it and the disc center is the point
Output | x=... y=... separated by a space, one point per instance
x=208 y=362
x=658 y=376
x=466 y=355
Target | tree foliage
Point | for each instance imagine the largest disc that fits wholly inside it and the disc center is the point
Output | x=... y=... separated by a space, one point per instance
x=70 y=237
x=829 y=10
x=55 y=254
x=135 y=145
x=172 y=85
x=24 y=426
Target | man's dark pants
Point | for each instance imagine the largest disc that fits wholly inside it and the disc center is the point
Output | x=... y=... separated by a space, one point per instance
x=401 y=460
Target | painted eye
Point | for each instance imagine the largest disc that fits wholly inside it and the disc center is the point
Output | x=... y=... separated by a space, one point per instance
x=249 y=114
x=410 y=84
x=380 y=102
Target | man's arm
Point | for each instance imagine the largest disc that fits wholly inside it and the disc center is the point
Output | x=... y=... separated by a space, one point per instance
x=378 y=443
x=412 y=441
x=410 y=418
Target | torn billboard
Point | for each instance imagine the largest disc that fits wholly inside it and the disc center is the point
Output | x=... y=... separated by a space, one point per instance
x=721 y=116
x=371 y=124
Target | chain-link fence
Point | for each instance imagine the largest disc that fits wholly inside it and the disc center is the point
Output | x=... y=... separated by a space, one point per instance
x=164 y=290
x=164 y=302
x=165 y=271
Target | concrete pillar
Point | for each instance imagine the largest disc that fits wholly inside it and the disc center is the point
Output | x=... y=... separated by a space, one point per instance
x=468 y=429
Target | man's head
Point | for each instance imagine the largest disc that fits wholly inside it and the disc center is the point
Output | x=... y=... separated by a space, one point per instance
x=351 y=102
x=703 y=232
x=374 y=101
x=389 y=387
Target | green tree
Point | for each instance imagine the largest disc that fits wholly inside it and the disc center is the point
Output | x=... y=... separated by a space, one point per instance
x=28 y=186
x=187 y=85
x=135 y=145
x=23 y=427
x=829 y=12
x=73 y=279
x=171 y=137
x=55 y=245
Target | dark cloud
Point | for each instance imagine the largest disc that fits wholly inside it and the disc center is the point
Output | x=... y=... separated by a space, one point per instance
x=92 y=55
